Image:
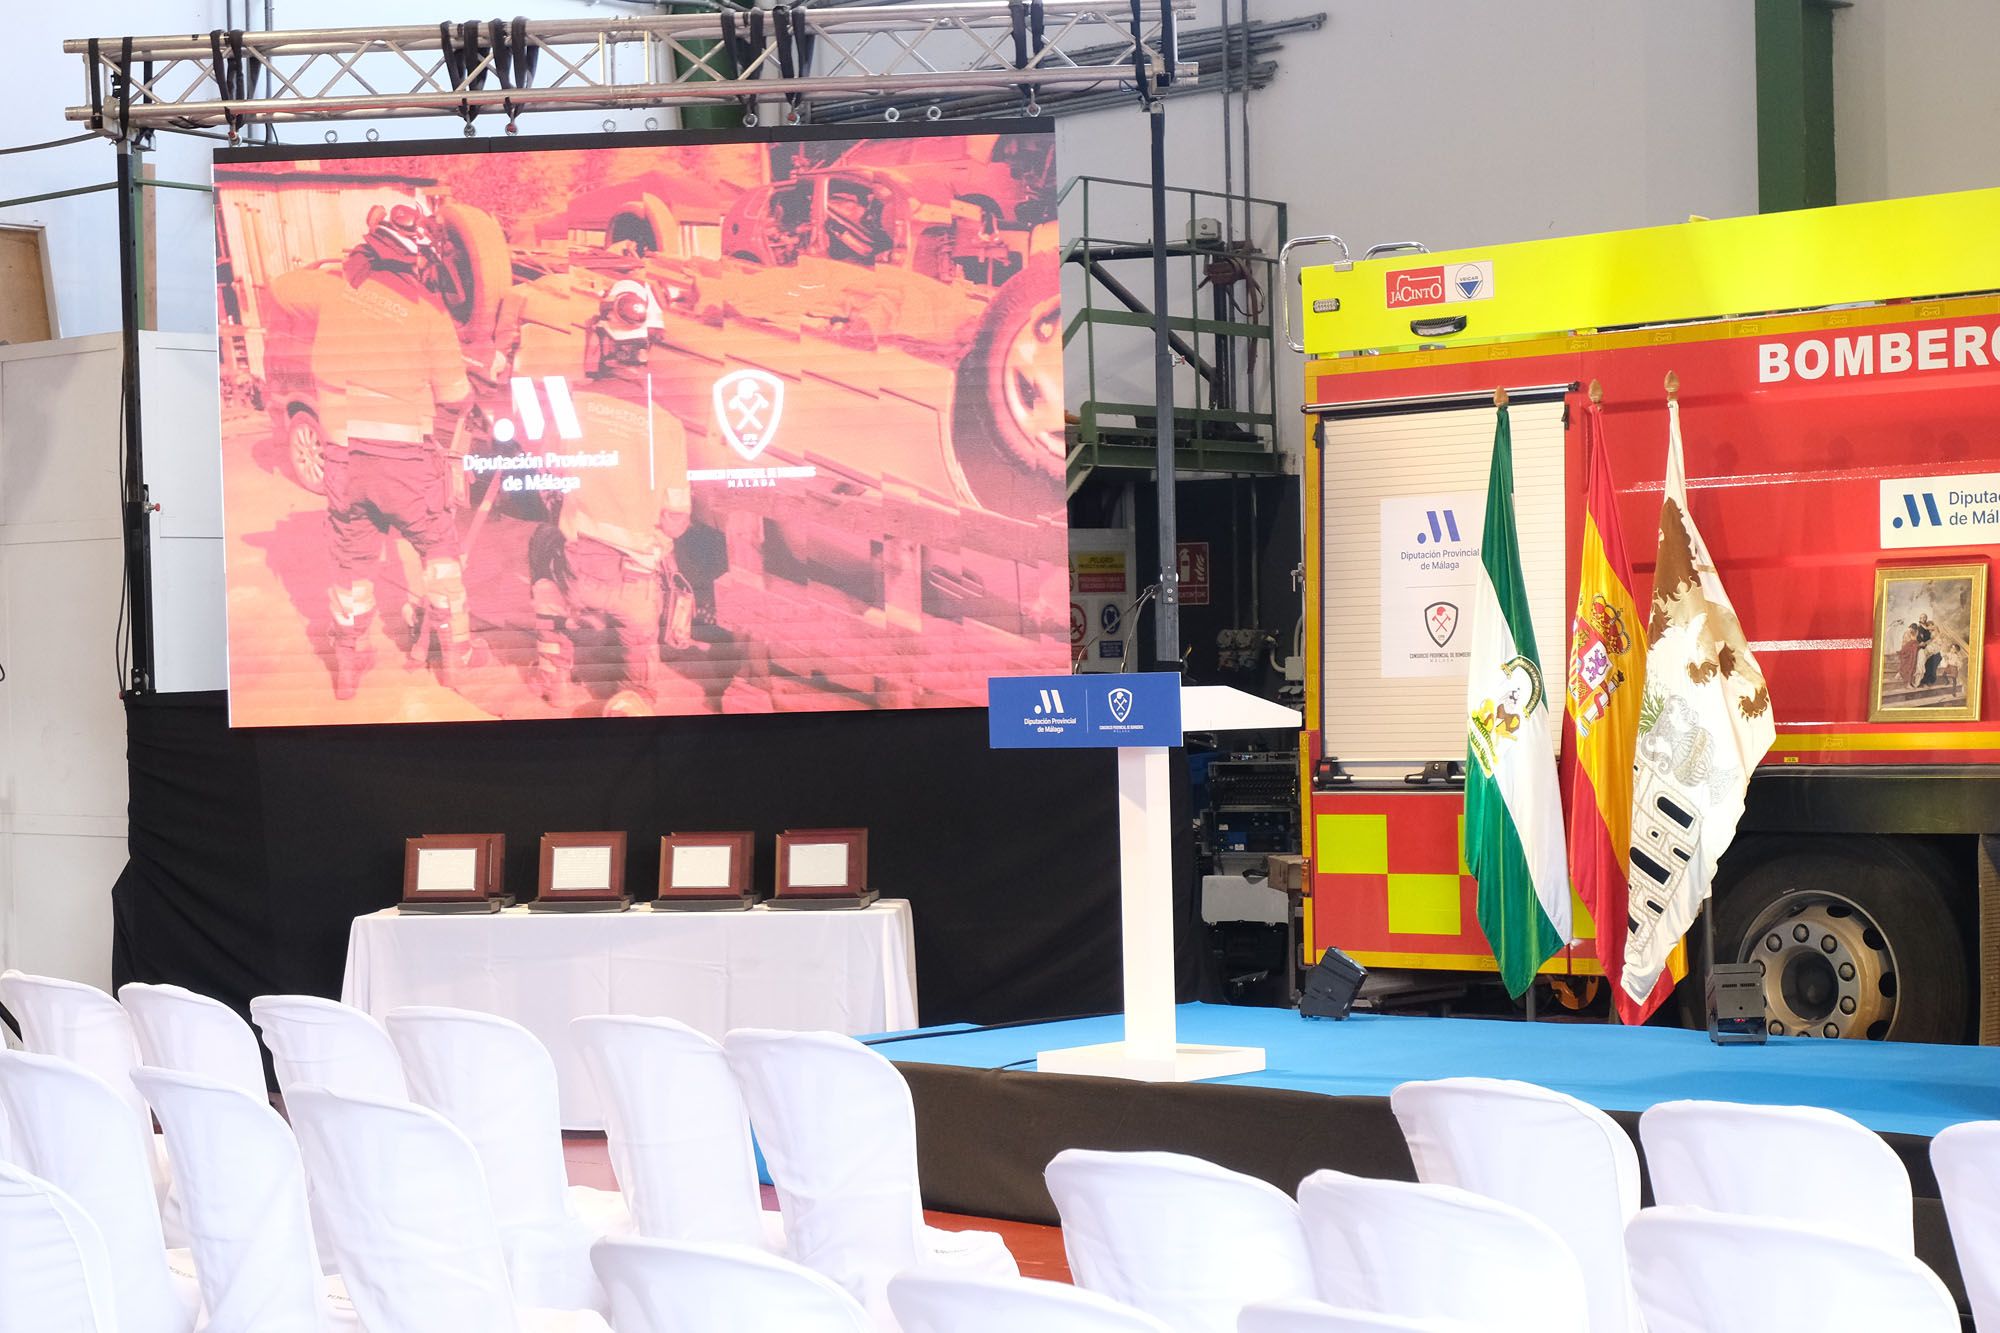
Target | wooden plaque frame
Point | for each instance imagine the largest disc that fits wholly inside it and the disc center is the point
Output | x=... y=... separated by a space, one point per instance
x=489 y=871
x=738 y=892
x=611 y=893
x=853 y=891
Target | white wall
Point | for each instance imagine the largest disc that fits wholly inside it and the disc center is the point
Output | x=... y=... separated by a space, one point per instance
x=1915 y=101
x=1464 y=122
x=62 y=727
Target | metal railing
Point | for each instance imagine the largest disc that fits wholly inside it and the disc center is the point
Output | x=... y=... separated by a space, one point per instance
x=1231 y=426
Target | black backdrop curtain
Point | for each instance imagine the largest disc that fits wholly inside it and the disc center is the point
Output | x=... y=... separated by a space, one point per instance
x=251 y=851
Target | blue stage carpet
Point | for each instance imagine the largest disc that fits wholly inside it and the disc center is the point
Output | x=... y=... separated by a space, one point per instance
x=1890 y=1087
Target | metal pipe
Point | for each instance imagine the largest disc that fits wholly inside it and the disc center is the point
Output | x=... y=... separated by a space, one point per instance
x=1439 y=402
x=59 y=194
x=1228 y=153
x=137 y=517
x=1167 y=609
x=590 y=32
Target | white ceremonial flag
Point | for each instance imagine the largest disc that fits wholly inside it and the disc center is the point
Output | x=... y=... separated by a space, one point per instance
x=1704 y=724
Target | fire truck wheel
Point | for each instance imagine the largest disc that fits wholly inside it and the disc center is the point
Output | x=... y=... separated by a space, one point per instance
x=1007 y=416
x=305 y=450
x=1857 y=938
x=478 y=266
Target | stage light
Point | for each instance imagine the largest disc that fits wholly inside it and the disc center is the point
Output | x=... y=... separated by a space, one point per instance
x=1736 y=1003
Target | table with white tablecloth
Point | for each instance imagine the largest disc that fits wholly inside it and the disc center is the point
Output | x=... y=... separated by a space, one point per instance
x=841 y=971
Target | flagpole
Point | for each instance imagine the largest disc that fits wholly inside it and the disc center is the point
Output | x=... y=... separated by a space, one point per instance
x=1500 y=405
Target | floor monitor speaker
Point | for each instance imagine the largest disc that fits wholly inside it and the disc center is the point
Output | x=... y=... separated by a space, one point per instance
x=1331 y=986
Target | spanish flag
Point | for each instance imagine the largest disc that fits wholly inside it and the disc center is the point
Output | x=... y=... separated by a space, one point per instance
x=1607 y=668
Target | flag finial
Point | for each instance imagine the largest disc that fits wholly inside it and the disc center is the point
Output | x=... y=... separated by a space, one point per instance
x=1673 y=386
x=1597 y=391
x=1499 y=398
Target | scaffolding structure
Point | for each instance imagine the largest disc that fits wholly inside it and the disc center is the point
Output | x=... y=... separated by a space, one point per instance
x=894 y=53
x=788 y=55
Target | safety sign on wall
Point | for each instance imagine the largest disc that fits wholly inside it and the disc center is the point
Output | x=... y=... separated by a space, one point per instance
x=1191 y=558
x=1102 y=588
x=1430 y=570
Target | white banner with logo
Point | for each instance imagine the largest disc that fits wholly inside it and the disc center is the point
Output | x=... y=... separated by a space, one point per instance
x=1941 y=511
x=1430 y=569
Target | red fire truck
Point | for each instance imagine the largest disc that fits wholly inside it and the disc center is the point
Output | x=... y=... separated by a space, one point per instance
x=1844 y=467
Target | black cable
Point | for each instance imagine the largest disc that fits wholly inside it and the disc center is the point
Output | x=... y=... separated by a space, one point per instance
x=120 y=652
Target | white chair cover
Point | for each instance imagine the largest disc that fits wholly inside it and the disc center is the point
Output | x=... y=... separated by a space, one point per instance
x=55 y=1274
x=75 y=1132
x=80 y=1024
x=1967 y=1161
x=1553 y=1157
x=1177 y=1237
x=83 y=1025
x=1703 y=1272
x=929 y=1300
x=660 y=1286
x=1395 y=1247
x=316 y=1043
x=405 y=1204
x=839 y=1134
x=1733 y=1158
x=245 y=1195
x=495 y=1081
x=1314 y=1317
x=178 y=1029
x=678 y=1131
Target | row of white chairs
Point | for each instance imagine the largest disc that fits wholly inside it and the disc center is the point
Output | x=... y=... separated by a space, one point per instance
x=1207 y=1250
x=836 y=1119
x=1510 y=1171
x=678 y=1107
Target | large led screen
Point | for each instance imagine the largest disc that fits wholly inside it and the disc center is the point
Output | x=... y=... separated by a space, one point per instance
x=671 y=427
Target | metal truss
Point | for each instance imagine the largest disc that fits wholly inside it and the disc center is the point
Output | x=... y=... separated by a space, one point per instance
x=896 y=52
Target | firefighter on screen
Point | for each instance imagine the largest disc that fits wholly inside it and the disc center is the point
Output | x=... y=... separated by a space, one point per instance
x=606 y=592
x=391 y=387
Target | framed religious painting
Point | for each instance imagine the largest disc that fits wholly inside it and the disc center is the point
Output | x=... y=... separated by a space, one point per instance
x=705 y=872
x=582 y=872
x=822 y=868
x=454 y=872
x=1930 y=643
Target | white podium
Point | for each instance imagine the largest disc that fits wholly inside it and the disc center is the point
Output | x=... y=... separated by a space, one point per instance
x=1150 y=1050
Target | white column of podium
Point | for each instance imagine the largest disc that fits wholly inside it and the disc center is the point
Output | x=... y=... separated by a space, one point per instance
x=1151 y=1050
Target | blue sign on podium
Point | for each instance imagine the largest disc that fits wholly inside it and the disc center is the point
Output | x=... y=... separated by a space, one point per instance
x=1084 y=712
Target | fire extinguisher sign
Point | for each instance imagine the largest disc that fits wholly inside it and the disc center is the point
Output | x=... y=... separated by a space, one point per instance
x=1191 y=564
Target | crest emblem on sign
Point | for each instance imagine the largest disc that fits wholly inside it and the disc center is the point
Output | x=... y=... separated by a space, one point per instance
x=1121 y=703
x=1441 y=620
x=748 y=404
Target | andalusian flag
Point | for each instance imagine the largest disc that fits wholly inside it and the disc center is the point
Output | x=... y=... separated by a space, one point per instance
x=1513 y=810
x=1704 y=725
x=1607 y=677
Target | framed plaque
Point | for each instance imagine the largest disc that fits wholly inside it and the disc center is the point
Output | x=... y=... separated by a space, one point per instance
x=582 y=872
x=823 y=868
x=705 y=872
x=455 y=872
